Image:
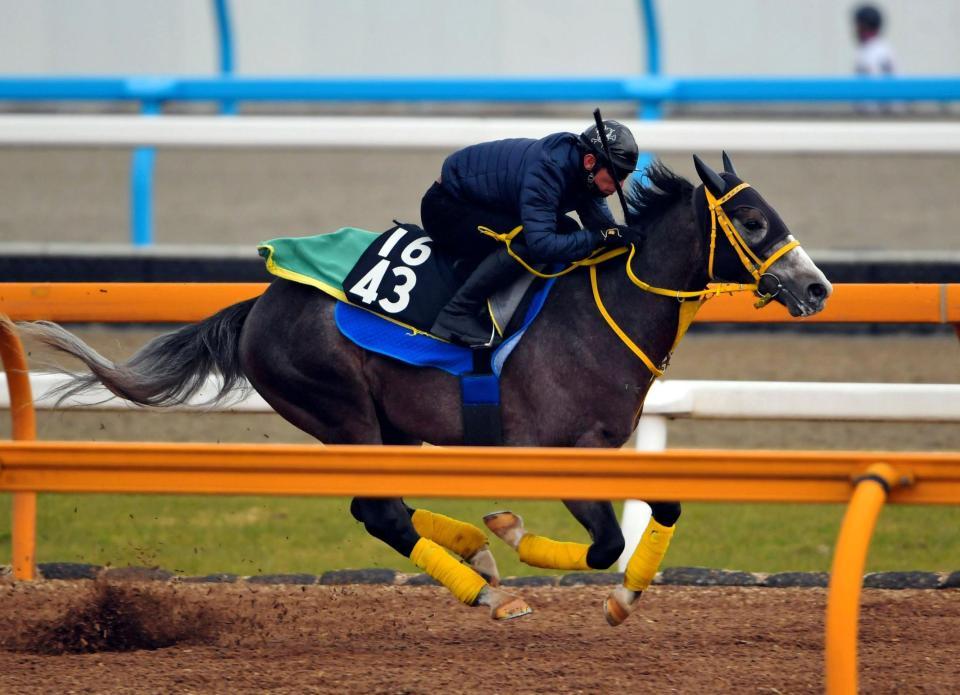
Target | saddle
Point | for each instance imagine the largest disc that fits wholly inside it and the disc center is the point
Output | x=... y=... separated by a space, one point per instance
x=402 y=277
x=392 y=286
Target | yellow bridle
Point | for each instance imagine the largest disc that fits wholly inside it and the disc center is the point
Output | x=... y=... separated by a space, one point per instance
x=688 y=309
x=754 y=265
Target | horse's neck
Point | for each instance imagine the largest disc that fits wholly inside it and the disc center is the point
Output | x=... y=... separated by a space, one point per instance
x=674 y=254
x=672 y=257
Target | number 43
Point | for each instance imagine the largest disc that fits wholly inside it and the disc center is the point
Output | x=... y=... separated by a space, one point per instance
x=415 y=253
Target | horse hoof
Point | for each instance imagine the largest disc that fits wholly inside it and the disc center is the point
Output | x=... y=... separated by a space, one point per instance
x=485 y=565
x=619 y=605
x=514 y=608
x=507 y=526
x=614 y=612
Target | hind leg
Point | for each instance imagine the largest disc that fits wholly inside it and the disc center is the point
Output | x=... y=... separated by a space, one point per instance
x=293 y=354
x=389 y=521
x=459 y=537
x=466 y=540
x=598 y=518
x=644 y=562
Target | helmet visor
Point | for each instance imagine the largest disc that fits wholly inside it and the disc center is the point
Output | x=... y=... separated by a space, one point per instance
x=620 y=172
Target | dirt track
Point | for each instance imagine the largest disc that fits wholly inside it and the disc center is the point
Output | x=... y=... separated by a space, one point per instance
x=290 y=639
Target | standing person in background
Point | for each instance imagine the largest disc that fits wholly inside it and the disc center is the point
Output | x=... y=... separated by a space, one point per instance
x=874 y=56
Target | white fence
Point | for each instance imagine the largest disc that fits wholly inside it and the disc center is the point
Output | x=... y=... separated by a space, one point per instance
x=753 y=400
x=452 y=133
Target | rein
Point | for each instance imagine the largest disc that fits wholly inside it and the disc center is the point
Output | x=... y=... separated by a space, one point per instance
x=757 y=268
x=751 y=262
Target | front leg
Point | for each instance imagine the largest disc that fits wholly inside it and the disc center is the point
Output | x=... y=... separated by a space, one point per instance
x=644 y=562
x=598 y=518
x=539 y=551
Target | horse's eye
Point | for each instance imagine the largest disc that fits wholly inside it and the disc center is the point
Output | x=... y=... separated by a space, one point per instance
x=753 y=225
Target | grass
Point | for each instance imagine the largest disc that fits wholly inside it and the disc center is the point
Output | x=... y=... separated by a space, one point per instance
x=265 y=535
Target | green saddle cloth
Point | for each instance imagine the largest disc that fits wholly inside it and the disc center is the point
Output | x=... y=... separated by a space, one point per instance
x=322 y=261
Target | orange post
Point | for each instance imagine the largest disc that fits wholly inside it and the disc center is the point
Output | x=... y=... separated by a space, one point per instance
x=24 y=426
x=846 y=575
x=24 y=535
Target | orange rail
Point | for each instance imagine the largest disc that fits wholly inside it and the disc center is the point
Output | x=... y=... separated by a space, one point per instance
x=529 y=473
x=851 y=303
x=126 y=302
x=182 y=302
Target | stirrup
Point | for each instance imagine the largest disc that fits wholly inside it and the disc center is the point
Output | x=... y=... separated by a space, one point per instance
x=440 y=330
x=492 y=341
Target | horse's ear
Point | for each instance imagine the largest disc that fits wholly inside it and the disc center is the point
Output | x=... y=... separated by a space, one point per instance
x=728 y=164
x=710 y=178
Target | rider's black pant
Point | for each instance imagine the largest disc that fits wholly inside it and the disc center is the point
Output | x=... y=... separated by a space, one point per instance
x=452 y=224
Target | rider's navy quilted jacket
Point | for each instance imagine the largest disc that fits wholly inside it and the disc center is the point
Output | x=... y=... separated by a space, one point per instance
x=539 y=181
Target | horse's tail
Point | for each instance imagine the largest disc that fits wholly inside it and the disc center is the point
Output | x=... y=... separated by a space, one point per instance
x=166 y=371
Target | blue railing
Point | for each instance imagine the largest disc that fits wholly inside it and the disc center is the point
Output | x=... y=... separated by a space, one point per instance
x=487 y=89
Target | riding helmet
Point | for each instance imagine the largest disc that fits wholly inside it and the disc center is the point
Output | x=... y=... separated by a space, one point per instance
x=623 y=147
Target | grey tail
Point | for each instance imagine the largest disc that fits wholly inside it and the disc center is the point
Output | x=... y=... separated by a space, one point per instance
x=168 y=370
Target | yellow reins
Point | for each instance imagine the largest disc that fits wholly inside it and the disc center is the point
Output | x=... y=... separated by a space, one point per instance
x=591 y=260
x=688 y=309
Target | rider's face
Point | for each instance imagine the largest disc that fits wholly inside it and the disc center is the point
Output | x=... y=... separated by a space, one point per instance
x=604 y=182
x=601 y=177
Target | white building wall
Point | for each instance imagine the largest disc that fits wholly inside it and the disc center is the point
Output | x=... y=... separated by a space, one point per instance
x=449 y=37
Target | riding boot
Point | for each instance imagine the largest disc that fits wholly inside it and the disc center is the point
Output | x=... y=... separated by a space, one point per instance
x=462 y=320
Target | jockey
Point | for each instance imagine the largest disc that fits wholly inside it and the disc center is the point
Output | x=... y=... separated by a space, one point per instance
x=534 y=183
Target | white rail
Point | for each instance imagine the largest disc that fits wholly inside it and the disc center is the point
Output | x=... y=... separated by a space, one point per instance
x=753 y=400
x=745 y=400
x=451 y=133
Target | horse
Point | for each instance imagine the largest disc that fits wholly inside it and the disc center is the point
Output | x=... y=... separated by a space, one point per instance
x=578 y=378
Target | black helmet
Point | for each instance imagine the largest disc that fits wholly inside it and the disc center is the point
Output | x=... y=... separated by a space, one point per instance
x=623 y=148
x=869 y=17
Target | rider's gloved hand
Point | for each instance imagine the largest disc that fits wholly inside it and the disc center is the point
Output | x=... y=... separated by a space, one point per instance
x=620 y=235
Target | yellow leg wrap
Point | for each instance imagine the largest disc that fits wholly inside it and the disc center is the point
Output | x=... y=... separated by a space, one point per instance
x=647 y=557
x=462 y=538
x=543 y=552
x=460 y=579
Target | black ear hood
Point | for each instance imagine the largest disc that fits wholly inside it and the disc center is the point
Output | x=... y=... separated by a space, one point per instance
x=750 y=197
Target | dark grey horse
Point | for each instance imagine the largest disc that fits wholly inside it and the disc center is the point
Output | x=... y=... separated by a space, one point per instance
x=571 y=382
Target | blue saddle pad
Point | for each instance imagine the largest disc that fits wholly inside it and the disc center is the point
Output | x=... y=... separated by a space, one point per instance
x=377 y=334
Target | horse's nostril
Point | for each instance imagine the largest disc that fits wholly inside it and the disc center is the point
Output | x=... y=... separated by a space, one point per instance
x=817 y=292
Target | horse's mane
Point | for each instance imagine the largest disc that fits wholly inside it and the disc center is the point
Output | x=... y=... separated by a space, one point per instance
x=654 y=191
